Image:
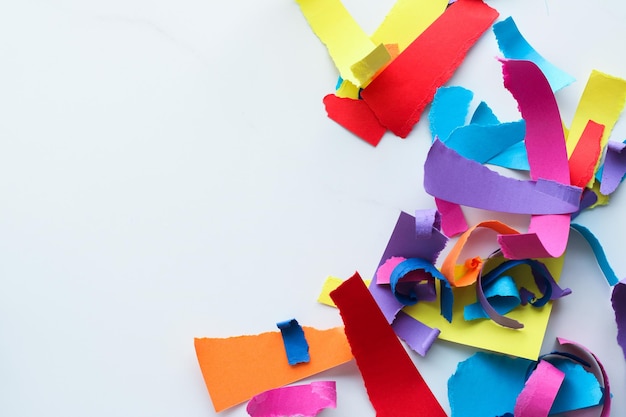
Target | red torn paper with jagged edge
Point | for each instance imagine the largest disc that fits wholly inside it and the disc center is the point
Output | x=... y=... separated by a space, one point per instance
x=394 y=386
x=400 y=93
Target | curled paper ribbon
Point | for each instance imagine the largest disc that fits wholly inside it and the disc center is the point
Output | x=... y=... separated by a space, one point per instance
x=297 y=401
x=469 y=271
x=606 y=406
x=416 y=264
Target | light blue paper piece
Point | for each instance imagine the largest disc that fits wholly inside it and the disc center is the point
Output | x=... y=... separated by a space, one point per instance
x=502 y=378
x=514 y=46
x=486 y=384
x=296 y=346
x=483 y=115
x=503 y=297
x=580 y=389
x=598 y=251
x=448 y=110
x=514 y=157
x=482 y=142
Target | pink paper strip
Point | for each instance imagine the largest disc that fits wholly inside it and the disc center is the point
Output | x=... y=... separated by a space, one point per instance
x=547 y=157
x=298 y=400
x=452 y=218
x=538 y=395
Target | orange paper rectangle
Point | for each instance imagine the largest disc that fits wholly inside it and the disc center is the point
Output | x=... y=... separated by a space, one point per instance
x=237 y=368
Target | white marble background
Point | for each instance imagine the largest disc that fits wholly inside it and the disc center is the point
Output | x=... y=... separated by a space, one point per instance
x=167 y=171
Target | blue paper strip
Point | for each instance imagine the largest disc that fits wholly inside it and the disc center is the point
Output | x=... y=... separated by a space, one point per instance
x=596 y=247
x=296 y=346
x=514 y=46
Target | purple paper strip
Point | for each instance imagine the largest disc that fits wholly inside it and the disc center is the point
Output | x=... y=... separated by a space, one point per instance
x=606 y=406
x=449 y=176
x=618 y=299
x=416 y=334
x=614 y=167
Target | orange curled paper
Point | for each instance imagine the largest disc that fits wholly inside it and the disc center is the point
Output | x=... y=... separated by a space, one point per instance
x=467 y=274
x=237 y=368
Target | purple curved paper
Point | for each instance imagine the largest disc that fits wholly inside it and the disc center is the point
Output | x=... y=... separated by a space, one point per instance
x=416 y=334
x=614 y=167
x=491 y=312
x=412 y=237
x=618 y=299
x=451 y=177
x=606 y=407
x=298 y=400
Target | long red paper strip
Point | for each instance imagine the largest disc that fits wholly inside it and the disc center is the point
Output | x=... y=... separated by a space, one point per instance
x=355 y=116
x=400 y=93
x=395 y=387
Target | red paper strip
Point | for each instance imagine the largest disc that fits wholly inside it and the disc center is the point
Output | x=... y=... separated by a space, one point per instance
x=582 y=162
x=400 y=93
x=355 y=116
x=395 y=387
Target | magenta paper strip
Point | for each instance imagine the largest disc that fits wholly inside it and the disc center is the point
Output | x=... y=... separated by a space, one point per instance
x=547 y=156
x=298 y=400
x=540 y=391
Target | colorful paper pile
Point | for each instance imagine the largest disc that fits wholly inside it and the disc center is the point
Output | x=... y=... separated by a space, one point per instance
x=500 y=302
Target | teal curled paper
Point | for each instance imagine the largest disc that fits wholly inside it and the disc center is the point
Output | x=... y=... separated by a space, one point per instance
x=502 y=295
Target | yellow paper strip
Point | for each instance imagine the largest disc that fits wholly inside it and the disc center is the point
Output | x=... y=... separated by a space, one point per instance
x=406 y=20
x=346 y=42
x=602 y=101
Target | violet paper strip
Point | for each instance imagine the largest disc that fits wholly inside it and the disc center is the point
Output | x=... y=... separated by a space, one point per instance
x=614 y=168
x=618 y=300
x=418 y=336
x=405 y=243
x=411 y=237
x=298 y=400
x=451 y=177
x=606 y=406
